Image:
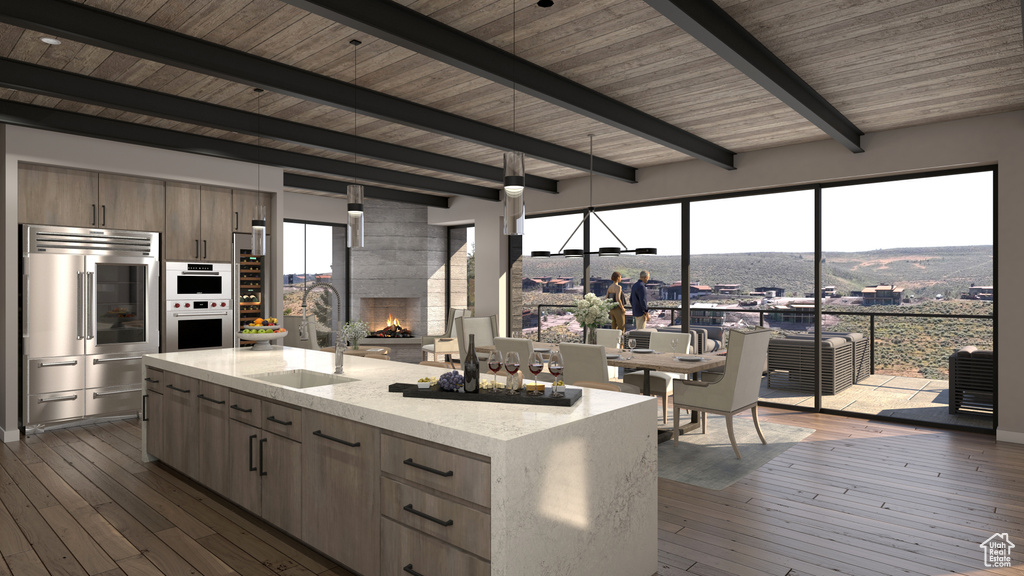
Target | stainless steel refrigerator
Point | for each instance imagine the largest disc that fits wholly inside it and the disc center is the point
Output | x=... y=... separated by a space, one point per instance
x=90 y=302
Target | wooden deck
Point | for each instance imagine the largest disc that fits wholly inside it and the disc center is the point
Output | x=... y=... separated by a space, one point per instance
x=855 y=498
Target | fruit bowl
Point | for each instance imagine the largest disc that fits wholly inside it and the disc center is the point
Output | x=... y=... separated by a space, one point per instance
x=263 y=339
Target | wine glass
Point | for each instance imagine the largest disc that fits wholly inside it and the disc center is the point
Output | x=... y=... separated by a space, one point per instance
x=555 y=367
x=494 y=364
x=675 y=344
x=512 y=366
x=536 y=367
x=630 y=345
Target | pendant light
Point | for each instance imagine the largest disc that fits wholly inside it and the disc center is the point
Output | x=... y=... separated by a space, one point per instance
x=603 y=251
x=354 y=192
x=259 y=222
x=515 y=170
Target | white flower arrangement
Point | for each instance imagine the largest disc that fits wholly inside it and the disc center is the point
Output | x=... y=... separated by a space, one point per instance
x=591 y=311
x=354 y=331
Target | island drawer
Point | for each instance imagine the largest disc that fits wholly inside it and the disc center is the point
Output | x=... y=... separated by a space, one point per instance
x=444 y=519
x=244 y=408
x=282 y=420
x=438 y=468
x=405 y=551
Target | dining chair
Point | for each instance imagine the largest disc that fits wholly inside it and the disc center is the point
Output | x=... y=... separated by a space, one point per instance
x=609 y=338
x=661 y=382
x=429 y=341
x=484 y=329
x=598 y=385
x=523 y=346
x=735 y=391
x=588 y=363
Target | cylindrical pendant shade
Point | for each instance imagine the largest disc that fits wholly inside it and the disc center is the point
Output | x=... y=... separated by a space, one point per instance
x=355 y=216
x=515 y=214
x=259 y=231
x=515 y=173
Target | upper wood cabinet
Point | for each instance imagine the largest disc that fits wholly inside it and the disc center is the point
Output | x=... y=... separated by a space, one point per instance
x=244 y=204
x=68 y=197
x=57 y=196
x=131 y=203
x=198 y=223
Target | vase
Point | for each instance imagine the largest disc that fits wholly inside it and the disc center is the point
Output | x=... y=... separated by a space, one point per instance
x=355 y=344
x=591 y=335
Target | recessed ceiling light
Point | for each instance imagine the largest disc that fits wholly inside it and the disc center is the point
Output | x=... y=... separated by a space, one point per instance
x=50 y=41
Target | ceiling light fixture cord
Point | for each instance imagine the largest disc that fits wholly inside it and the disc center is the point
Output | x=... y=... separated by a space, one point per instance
x=259 y=132
x=355 y=97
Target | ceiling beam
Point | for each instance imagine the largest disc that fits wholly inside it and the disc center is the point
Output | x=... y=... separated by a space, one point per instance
x=50 y=82
x=85 y=125
x=305 y=182
x=711 y=25
x=99 y=28
x=410 y=29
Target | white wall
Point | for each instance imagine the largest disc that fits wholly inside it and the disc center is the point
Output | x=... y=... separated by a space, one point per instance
x=54 y=148
x=324 y=209
x=987 y=140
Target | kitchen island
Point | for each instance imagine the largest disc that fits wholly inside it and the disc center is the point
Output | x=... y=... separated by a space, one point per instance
x=438 y=486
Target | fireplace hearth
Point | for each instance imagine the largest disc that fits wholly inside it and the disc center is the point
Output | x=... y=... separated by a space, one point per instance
x=390 y=317
x=393 y=329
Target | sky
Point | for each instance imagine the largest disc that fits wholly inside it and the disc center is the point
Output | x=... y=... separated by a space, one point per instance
x=951 y=210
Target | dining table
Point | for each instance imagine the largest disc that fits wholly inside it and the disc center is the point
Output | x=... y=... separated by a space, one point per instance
x=651 y=361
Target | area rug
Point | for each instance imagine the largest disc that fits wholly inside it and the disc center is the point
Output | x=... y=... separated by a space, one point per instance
x=707 y=460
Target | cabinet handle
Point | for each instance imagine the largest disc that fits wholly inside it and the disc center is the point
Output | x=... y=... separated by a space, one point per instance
x=153 y=380
x=409 y=569
x=204 y=250
x=251 y=467
x=197 y=248
x=409 y=462
x=59 y=399
x=176 y=389
x=93 y=214
x=105 y=360
x=145 y=412
x=240 y=409
x=262 y=471
x=446 y=523
x=203 y=397
x=104 y=207
x=281 y=422
x=338 y=440
x=236 y=220
x=96 y=395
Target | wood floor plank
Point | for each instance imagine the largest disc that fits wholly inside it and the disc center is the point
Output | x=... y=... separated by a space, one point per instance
x=12 y=541
x=162 y=556
x=139 y=566
x=36 y=492
x=26 y=564
x=202 y=559
x=88 y=553
x=234 y=556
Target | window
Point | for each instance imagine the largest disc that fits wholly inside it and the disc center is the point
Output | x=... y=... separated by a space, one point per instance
x=315 y=253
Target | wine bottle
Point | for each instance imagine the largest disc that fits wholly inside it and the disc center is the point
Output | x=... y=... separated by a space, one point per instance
x=471 y=369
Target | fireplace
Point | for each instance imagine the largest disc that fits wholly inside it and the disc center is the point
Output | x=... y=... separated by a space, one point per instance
x=390 y=317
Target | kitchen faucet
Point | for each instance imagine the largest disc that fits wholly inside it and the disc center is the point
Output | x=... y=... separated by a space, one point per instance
x=304 y=330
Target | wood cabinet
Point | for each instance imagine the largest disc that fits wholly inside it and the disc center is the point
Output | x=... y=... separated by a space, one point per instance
x=213 y=437
x=198 y=223
x=68 y=197
x=243 y=472
x=180 y=423
x=243 y=210
x=153 y=413
x=280 y=464
x=340 y=466
x=131 y=203
x=57 y=196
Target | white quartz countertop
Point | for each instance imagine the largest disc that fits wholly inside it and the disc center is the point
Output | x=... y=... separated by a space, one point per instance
x=479 y=427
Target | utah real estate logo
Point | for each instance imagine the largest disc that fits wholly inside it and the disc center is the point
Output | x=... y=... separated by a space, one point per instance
x=997 y=550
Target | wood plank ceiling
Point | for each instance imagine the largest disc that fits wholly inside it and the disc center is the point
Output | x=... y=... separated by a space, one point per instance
x=882 y=65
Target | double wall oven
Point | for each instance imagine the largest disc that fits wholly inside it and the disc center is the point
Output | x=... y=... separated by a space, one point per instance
x=198 y=312
x=90 y=301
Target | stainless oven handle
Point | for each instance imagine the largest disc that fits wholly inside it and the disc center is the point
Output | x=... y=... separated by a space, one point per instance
x=195 y=314
x=105 y=360
x=59 y=399
x=65 y=363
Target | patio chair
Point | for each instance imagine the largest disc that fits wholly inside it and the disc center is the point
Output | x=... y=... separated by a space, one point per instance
x=971 y=381
x=736 y=390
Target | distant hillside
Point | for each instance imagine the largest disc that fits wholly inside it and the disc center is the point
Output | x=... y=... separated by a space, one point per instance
x=921 y=271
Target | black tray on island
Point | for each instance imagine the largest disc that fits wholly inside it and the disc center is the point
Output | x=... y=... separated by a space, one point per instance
x=414 y=391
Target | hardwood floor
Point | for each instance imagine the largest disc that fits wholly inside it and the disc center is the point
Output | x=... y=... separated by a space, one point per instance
x=857 y=498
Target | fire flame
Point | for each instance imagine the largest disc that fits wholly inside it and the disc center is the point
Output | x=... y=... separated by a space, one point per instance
x=392 y=321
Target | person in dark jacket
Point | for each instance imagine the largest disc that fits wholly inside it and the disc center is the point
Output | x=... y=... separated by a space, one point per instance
x=638 y=300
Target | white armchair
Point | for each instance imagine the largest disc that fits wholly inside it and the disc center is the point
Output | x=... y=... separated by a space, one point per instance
x=736 y=390
x=430 y=341
x=484 y=329
x=610 y=338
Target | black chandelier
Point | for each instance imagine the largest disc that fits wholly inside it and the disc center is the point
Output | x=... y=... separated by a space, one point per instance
x=603 y=251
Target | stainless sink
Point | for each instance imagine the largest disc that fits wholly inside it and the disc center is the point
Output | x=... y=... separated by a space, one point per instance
x=302 y=378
